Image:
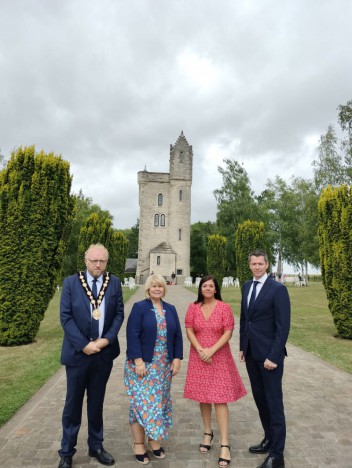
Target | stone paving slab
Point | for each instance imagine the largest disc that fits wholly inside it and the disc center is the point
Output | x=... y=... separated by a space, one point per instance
x=318 y=403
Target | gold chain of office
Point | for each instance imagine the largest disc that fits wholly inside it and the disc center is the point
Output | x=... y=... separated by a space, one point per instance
x=95 y=303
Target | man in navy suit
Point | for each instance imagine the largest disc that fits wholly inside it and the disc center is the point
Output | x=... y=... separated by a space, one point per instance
x=91 y=314
x=264 y=329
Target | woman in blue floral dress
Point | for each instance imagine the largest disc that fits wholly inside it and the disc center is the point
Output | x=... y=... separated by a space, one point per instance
x=154 y=351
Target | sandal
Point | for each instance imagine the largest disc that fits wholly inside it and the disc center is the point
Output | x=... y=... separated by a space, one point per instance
x=227 y=461
x=143 y=459
x=158 y=453
x=207 y=447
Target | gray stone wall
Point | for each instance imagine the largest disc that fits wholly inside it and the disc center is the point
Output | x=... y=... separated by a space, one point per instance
x=170 y=239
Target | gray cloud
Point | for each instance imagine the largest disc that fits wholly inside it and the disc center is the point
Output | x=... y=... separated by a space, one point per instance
x=110 y=84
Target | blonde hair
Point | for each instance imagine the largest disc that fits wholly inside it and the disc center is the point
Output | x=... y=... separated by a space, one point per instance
x=154 y=280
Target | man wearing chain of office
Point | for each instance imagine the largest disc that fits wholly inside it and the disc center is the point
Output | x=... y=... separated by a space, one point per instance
x=91 y=314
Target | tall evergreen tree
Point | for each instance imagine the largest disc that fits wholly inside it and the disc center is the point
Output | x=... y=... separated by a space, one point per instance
x=118 y=255
x=36 y=212
x=84 y=208
x=199 y=242
x=99 y=230
x=250 y=236
x=216 y=258
x=335 y=227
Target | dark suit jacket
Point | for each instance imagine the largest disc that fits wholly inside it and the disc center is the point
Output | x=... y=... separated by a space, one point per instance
x=142 y=329
x=75 y=317
x=268 y=326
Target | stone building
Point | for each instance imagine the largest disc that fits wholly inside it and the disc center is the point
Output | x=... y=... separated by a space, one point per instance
x=165 y=216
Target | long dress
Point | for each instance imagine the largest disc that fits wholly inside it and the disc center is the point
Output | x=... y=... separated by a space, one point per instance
x=150 y=399
x=218 y=382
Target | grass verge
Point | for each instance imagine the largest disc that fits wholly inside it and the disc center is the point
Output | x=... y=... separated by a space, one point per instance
x=24 y=369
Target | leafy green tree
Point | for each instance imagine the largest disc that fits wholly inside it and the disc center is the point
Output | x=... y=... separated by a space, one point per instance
x=345 y=121
x=329 y=168
x=99 y=230
x=118 y=254
x=250 y=236
x=307 y=218
x=235 y=199
x=235 y=203
x=132 y=235
x=335 y=228
x=199 y=241
x=216 y=256
x=36 y=211
x=84 y=208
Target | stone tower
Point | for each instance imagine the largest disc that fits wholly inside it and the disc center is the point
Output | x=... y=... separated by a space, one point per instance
x=165 y=216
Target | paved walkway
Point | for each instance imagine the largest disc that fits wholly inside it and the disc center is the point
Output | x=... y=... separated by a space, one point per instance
x=318 y=402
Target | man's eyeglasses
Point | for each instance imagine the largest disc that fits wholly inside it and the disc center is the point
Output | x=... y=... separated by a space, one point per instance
x=95 y=262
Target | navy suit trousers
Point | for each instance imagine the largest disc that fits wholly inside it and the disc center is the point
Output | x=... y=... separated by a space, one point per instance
x=92 y=377
x=267 y=393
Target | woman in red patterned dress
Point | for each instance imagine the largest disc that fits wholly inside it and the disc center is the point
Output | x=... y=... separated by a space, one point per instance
x=212 y=375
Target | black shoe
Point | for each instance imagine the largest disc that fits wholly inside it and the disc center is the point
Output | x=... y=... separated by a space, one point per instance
x=263 y=447
x=65 y=462
x=272 y=462
x=207 y=447
x=102 y=456
x=142 y=458
x=226 y=460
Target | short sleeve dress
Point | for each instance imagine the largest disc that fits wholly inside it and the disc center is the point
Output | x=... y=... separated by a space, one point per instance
x=220 y=381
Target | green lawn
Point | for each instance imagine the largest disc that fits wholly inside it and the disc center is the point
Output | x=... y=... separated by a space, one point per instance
x=24 y=369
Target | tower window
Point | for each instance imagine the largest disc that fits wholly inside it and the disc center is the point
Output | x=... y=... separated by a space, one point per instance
x=180 y=234
x=158 y=260
x=181 y=156
x=156 y=220
x=160 y=199
x=162 y=220
x=180 y=195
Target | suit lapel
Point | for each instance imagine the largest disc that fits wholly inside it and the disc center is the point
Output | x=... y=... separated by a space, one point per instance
x=83 y=292
x=246 y=289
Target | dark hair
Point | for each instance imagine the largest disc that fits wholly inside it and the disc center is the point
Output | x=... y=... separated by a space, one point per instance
x=259 y=253
x=217 y=294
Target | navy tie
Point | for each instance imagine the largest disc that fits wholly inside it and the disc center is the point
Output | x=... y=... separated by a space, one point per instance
x=252 y=298
x=95 y=323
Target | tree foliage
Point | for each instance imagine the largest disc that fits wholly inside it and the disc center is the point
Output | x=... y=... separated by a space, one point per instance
x=345 y=121
x=199 y=242
x=329 y=168
x=235 y=203
x=235 y=199
x=335 y=237
x=250 y=235
x=36 y=212
x=84 y=208
x=132 y=235
x=216 y=256
x=98 y=229
x=290 y=214
x=118 y=254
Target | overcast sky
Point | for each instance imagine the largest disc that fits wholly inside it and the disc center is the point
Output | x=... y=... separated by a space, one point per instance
x=110 y=84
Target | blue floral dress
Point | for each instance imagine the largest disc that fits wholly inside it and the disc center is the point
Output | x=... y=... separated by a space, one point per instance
x=150 y=404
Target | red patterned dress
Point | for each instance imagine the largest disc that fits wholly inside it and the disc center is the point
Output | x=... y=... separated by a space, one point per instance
x=218 y=382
